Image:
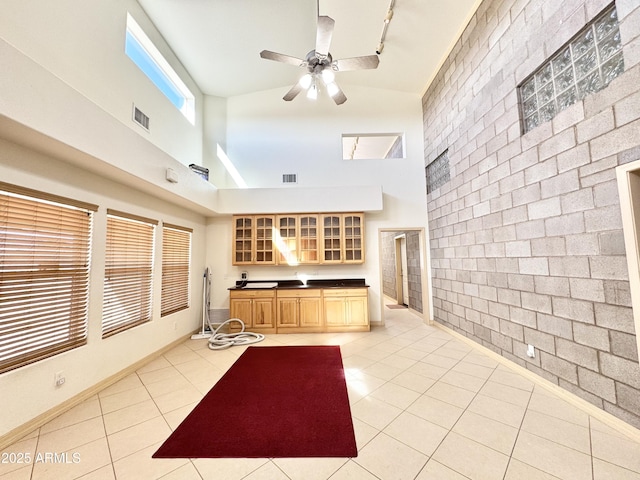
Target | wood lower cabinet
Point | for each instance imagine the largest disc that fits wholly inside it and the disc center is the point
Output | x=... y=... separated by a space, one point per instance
x=346 y=309
x=256 y=308
x=299 y=309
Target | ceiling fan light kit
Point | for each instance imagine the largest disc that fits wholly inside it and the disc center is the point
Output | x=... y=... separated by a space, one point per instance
x=312 y=93
x=320 y=64
x=306 y=80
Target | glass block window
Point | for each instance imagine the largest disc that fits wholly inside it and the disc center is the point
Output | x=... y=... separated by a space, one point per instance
x=438 y=172
x=585 y=65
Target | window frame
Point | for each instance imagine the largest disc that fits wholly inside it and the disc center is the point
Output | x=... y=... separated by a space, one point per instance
x=176 y=269
x=438 y=172
x=547 y=79
x=142 y=51
x=129 y=262
x=45 y=265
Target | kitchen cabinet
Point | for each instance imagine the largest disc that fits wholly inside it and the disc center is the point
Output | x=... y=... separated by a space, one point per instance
x=343 y=238
x=300 y=309
x=346 y=309
x=309 y=237
x=353 y=237
x=253 y=242
x=293 y=239
x=287 y=239
x=256 y=308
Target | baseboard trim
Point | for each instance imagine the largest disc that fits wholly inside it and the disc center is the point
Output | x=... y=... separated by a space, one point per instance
x=605 y=417
x=23 y=430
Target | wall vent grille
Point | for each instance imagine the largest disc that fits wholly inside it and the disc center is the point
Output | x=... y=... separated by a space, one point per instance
x=289 y=178
x=140 y=118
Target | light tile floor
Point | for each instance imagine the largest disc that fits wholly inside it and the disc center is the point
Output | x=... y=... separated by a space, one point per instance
x=424 y=405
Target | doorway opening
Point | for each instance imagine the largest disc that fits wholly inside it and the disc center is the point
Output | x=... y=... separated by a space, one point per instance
x=403 y=271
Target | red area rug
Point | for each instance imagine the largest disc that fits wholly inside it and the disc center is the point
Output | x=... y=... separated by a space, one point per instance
x=272 y=402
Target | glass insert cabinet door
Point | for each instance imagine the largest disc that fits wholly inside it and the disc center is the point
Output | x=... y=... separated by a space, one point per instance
x=264 y=243
x=292 y=239
x=287 y=240
x=353 y=238
x=309 y=244
x=243 y=240
x=332 y=238
x=253 y=241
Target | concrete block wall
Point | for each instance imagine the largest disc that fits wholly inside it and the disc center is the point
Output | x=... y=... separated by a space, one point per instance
x=526 y=237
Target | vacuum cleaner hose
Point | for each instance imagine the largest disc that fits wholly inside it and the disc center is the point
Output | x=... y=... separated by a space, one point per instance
x=220 y=341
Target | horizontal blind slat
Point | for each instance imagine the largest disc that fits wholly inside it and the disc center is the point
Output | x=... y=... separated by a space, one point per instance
x=176 y=261
x=128 y=272
x=44 y=275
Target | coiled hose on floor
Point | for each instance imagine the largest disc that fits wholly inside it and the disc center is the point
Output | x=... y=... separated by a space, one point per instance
x=220 y=341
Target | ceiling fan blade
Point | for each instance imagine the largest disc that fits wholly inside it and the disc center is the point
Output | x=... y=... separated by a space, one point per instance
x=339 y=97
x=293 y=93
x=279 y=57
x=324 y=34
x=357 y=63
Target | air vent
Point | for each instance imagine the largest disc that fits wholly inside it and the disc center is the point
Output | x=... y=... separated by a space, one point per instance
x=289 y=178
x=140 y=118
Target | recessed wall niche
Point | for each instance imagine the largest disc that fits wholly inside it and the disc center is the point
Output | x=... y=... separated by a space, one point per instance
x=367 y=146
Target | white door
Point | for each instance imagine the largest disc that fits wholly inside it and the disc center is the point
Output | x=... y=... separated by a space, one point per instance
x=401 y=265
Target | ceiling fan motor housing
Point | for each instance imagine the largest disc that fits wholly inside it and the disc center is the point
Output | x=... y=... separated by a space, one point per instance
x=316 y=63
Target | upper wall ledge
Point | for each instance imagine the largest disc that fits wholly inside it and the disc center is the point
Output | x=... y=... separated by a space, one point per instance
x=48 y=116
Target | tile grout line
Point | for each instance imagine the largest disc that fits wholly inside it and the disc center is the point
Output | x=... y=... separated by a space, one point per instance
x=463 y=412
x=515 y=441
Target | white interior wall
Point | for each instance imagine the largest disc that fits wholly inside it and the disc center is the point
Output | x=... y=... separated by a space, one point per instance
x=50 y=115
x=77 y=104
x=72 y=89
x=267 y=137
x=82 y=43
x=215 y=133
x=29 y=391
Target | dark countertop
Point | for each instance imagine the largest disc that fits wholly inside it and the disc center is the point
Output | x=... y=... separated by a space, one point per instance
x=298 y=284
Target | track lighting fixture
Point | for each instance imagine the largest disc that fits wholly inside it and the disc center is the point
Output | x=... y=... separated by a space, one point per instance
x=385 y=25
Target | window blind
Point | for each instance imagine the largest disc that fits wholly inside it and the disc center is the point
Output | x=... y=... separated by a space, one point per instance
x=176 y=259
x=44 y=275
x=128 y=272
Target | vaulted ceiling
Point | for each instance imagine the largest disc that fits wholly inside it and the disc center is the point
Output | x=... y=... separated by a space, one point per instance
x=219 y=41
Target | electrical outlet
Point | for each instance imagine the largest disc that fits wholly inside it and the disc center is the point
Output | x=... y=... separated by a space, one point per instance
x=531 y=351
x=59 y=379
x=244 y=275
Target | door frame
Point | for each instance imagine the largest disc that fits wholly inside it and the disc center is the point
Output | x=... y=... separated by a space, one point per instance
x=628 y=179
x=425 y=278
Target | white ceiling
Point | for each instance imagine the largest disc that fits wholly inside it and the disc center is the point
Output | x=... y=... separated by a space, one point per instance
x=219 y=41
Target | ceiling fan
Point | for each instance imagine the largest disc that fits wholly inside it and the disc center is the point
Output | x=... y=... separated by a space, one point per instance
x=321 y=67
